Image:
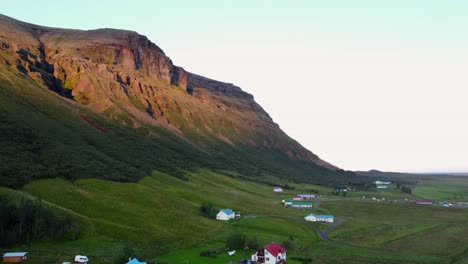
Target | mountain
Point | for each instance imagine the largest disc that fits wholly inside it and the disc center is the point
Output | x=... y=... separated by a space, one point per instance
x=110 y=104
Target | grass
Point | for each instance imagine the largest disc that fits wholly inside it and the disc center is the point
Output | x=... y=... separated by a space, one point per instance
x=445 y=190
x=159 y=218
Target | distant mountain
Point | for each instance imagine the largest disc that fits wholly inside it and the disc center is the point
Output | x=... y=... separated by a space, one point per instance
x=387 y=175
x=109 y=103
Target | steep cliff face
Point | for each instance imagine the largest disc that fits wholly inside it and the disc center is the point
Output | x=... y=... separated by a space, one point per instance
x=129 y=79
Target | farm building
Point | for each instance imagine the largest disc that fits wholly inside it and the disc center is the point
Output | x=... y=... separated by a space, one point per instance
x=271 y=254
x=14 y=257
x=426 y=202
x=277 y=189
x=287 y=202
x=297 y=198
x=225 y=214
x=305 y=197
x=301 y=204
x=320 y=218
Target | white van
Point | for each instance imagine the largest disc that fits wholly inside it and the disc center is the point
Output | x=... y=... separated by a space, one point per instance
x=81 y=259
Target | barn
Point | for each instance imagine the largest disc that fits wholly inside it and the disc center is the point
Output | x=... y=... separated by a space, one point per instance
x=271 y=254
x=14 y=257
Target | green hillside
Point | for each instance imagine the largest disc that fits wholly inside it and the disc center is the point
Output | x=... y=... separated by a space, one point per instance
x=159 y=219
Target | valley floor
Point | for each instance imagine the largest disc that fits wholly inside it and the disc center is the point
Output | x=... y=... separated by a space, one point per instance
x=159 y=219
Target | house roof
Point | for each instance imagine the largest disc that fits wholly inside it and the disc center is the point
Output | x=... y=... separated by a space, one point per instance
x=301 y=202
x=321 y=216
x=274 y=249
x=226 y=211
x=135 y=261
x=306 y=195
x=15 y=254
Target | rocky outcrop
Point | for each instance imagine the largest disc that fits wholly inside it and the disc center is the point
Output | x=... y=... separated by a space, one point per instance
x=125 y=76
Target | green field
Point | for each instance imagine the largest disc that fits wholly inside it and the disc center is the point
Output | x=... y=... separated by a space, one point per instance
x=444 y=188
x=159 y=219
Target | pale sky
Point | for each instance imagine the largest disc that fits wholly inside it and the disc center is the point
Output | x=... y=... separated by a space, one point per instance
x=364 y=84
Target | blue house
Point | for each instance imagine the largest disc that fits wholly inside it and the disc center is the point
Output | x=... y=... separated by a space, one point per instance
x=225 y=214
x=135 y=261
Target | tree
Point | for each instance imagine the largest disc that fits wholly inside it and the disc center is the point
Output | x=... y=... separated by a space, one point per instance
x=406 y=189
x=288 y=244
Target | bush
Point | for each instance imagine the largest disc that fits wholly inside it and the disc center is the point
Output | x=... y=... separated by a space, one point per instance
x=236 y=241
x=208 y=210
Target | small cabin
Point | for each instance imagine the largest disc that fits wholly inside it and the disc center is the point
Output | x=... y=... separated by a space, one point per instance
x=14 y=257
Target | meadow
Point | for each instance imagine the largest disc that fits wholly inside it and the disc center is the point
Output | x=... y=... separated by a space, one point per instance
x=159 y=220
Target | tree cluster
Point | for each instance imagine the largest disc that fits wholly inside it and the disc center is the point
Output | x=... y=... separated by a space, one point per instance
x=30 y=220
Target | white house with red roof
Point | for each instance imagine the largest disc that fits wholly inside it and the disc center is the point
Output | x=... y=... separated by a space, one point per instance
x=271 y=254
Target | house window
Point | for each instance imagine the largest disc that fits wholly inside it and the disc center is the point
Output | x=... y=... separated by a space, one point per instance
x=267 y=259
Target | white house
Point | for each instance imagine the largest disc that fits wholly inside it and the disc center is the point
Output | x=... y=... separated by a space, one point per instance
x=225 y=214
x=320 y=218
x=382 y=183
x=271 y=254
x=277 y=189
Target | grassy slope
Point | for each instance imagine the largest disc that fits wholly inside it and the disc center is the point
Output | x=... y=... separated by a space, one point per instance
x=158 y=216
x=43 y=136
x=161 y=213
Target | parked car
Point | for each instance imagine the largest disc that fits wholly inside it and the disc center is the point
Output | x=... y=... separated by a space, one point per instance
x=246 y=261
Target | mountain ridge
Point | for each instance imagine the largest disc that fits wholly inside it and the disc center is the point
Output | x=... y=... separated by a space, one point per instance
x=125 y=77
